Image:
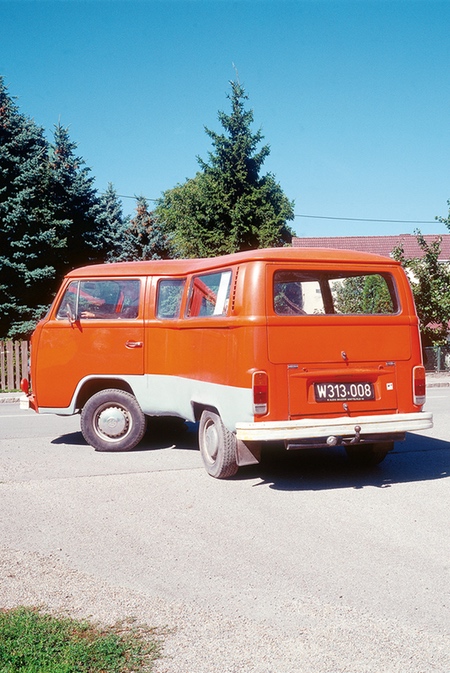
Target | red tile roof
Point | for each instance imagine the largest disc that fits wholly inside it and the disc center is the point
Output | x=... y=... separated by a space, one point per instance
x=381 y=245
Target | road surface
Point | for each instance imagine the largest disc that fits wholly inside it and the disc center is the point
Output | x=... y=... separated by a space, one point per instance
x=302 y=564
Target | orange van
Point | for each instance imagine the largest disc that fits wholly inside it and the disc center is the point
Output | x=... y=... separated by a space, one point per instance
x=313 y=348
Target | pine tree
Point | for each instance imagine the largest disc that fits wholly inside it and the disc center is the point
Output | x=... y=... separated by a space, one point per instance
x=28 y=232
x=113 y=224
x=143 y=238
x=228 y=206
x=75 y=202
x=49 y=217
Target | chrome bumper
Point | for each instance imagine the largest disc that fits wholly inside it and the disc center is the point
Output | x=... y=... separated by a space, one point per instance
x=316 y=428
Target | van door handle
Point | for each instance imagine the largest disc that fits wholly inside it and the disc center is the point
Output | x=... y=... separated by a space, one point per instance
x=134 y=344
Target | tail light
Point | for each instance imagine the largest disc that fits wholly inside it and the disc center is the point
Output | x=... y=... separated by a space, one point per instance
x=419 y=386
x=260 y=384
x=25 y=386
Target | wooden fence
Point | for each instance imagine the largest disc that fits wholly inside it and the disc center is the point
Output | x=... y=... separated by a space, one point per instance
x=14 y=357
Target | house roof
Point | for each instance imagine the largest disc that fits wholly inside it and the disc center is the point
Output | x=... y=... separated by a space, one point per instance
x=381 y=245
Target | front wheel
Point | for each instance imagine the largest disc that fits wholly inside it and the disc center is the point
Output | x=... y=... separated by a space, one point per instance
x=217 y=446
x=112 y=420
x=366 y=455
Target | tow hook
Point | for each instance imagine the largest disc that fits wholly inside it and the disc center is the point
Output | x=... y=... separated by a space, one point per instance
x=356 y=439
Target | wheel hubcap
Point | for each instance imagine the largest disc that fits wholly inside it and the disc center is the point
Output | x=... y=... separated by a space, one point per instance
x=113 y=422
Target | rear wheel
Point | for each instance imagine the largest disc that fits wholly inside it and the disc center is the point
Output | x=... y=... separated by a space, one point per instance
x=112 y=420
x=217 y=446
x=366 y=455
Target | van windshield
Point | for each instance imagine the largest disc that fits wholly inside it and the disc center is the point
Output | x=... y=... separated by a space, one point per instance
x=339 y=293
x=100 y=299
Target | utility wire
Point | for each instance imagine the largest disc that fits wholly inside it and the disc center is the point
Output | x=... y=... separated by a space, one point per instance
x=366 y=219
x=326 y=217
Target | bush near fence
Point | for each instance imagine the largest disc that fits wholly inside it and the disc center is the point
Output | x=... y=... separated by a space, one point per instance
x=14 y=357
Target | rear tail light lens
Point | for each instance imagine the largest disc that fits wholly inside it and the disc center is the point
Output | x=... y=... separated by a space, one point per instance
x=419 y=385
x=260 y=386
x=25 y=386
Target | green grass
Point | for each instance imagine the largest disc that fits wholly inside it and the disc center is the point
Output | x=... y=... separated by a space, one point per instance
x=34 y=642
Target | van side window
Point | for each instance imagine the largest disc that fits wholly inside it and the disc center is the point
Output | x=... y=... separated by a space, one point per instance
x=100 y=299
x=170 y=293
x=344 y=293
x=209 y=294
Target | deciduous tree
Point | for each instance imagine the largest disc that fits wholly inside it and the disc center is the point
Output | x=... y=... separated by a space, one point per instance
x=430 y=282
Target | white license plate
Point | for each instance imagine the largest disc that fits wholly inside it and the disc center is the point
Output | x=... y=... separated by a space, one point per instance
x=343 y=392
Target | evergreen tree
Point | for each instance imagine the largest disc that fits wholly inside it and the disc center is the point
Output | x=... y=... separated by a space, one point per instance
x=228 y=206
x=112 y=224
x=75 y=202
x=49 y=217
x=143 y=238
x=28 y=231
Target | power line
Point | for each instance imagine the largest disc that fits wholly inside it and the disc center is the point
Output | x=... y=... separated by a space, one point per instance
x=366 y=219
x=324 y=217
x=124 y=196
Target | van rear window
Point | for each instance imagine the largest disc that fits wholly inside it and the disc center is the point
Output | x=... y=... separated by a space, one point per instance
x=343 y=293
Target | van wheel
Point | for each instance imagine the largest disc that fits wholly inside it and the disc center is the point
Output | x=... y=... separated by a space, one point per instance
x=112 y=420
x=366 y=455
x=217 y=446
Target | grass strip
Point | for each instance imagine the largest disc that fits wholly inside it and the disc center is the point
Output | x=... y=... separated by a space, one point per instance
x=34 y=642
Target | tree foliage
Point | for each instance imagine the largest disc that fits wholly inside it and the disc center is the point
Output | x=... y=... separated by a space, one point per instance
x=228 y=206
x=142 y=237
x=113 y=224
x=365 y=294
x=445 y=220
x=430 y=282
x=51 y=219
x=29 y=231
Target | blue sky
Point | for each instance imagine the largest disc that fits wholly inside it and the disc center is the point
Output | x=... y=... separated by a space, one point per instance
x=352 y=97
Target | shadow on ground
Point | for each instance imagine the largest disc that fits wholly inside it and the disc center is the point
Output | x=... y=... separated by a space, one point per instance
x=161 y=433
x=418 y=458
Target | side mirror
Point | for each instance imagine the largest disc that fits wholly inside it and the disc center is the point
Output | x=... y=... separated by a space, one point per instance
x=72 y=316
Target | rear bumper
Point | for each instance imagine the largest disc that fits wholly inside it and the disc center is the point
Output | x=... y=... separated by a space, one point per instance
x=317 y=428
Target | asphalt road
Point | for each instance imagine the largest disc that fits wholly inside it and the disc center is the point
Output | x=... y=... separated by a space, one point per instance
x=300 y=564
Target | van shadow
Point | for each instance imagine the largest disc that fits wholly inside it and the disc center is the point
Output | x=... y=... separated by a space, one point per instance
x=418 y=458
x=161 y=433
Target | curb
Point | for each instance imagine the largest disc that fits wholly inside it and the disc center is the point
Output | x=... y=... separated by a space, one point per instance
x=10 y=398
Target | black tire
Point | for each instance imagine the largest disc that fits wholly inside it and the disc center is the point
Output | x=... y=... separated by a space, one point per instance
x=366 y=455
x=112 y=420
x=217 y=446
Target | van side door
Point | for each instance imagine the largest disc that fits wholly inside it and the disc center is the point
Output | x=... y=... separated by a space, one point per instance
x=95 y=330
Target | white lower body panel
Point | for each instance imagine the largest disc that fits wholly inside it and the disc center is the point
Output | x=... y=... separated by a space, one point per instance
x=160 y=395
